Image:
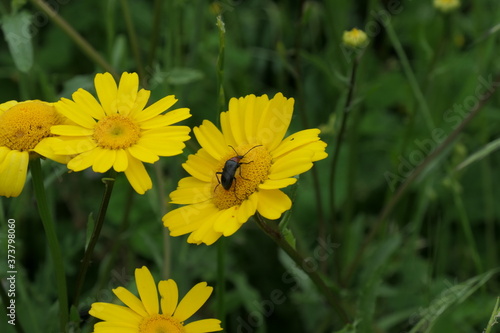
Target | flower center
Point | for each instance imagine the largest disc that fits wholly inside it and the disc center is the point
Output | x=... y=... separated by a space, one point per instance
x=116 y=132
x=25 y=124
x=241 y=176
x=159 y=323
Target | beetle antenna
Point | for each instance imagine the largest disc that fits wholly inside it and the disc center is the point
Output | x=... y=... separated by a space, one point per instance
x=251 y=149
x=233 y=149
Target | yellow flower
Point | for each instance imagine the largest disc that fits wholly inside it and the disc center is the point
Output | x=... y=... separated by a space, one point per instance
x=355 y=38
x=143 y=315
x=251 y=148
x=24 y=127
x=119 y=132
x=446 y=5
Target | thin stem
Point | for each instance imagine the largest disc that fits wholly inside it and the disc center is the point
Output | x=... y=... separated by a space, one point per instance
x=134 y=44
x=410 y=75
x=75 y=36
x=416 y=172
x=271 y=229
x=50 y=233
x=338 y=141
x=108 y=189
x=220 y=65
x=221 y=280
x=155 y=34
x=221 y=244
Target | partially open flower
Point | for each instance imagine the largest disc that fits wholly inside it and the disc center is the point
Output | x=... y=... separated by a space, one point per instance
x=24 y=129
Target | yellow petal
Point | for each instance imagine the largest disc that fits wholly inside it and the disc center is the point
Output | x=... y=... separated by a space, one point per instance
x=292 y=164
x=13 y=170
x=127 y=92
x=140 y=103
x=201 y=165
x=46 y=149
x=167 y=119
x=169 y=296
x=191 y=190
x=211 y=139
x=180 y=133
x=88 y=102
x=73 y=146
x=272 y=203
x=274 y=121
x=115 y=313
x=205 y=232
x=71 y=130
x=204 y=325
x=104 y=160
x=114 y=327
x=226 y=221
x=75 y=113
x=156 y=108
x=146 y=287
x=121 y=161
x=247 y=208
x=137 y=175
x=142 y=153
x=271 y=184
x=7 y=105
x=107 y=91
x=162 y=147
x=193 y=301
x=82 y=161
x=296 y=141
x=189 y=218
x=130 y=300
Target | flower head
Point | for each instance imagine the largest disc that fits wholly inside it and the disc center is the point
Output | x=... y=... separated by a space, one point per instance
x=355 y=38
x=143 y=315
x=24 y=127
x=241 y=170
x=446 y=5
x=119 y=132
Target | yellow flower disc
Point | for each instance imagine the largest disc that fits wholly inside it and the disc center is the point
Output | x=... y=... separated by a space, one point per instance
x=116 y=132
x=253 y=171
x=24 y=125
x=158 y=323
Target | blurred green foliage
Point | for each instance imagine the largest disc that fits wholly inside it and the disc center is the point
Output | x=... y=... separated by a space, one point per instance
x=430 y=267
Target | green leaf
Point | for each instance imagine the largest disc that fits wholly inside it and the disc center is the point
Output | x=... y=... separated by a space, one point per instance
x=482 y=153
x=16 y=29
x=178 y=76
x=494 y=315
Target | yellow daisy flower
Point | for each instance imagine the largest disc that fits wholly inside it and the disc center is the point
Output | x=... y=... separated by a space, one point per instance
x=119 y=132
x=240 y=170
x=143 y=315
x=24 y=127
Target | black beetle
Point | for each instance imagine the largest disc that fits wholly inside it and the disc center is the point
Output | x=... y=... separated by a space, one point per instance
x=229 y=170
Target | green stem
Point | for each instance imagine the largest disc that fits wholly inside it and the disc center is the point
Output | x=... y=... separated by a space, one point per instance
x=134 y=44
x=221 y=280
x=75 y=36
x=271 y=229
x=338 y=141
x=155 y=34
x=221 y=244
x=410 y=75
x=220 y=65
x=50 y=233
x=108 y=189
